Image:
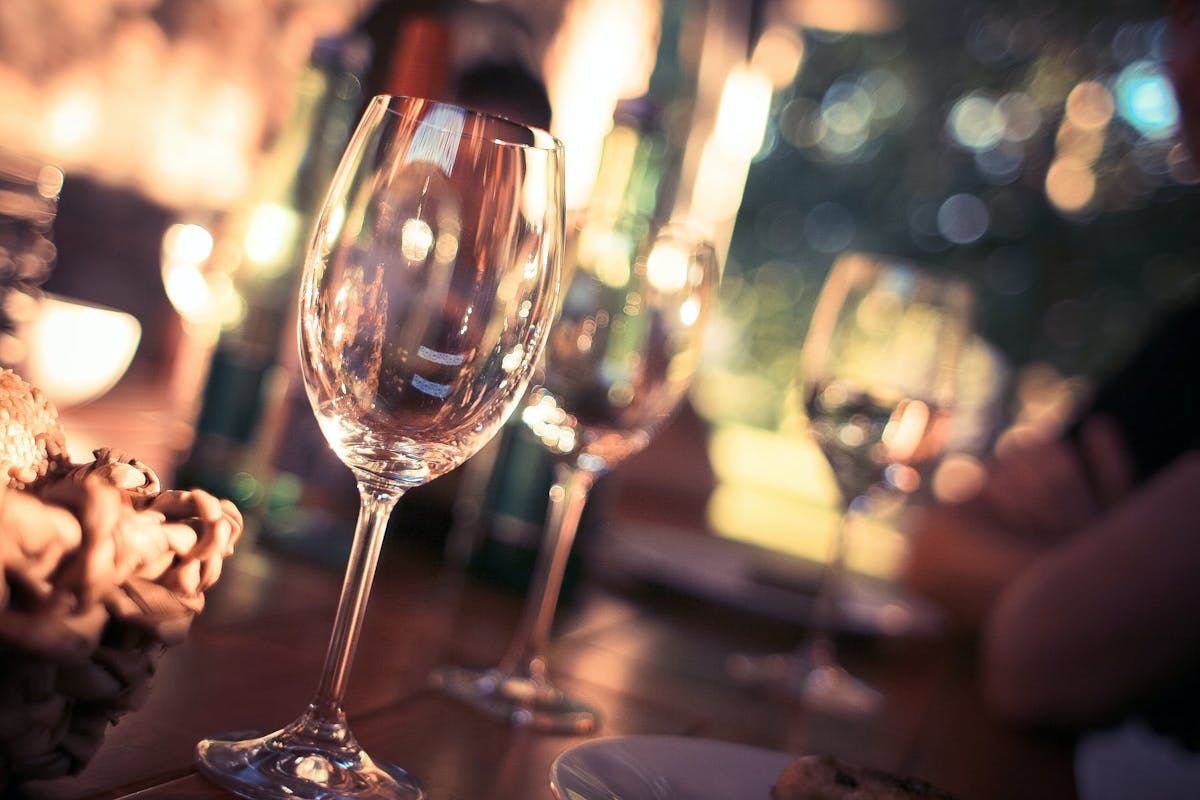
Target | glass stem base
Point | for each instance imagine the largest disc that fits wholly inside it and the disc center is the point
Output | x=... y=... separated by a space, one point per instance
x=310 y=759
x=811 y=675
x=527 y=700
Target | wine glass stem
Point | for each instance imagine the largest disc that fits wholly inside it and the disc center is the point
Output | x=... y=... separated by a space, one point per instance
x=568 y=496
x=375 y=507
x=821 y=650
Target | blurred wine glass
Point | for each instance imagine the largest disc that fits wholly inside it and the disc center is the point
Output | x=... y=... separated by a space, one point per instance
x=425 y=304
x=620 y=358
x=878 y=375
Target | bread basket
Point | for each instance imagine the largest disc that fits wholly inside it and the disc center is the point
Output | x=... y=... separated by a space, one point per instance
x=100 y=571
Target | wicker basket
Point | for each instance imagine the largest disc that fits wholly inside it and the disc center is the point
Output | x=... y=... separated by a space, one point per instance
x=100 y=571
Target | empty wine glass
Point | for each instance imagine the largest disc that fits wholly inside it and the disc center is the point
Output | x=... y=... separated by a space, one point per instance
x=425 y=304
x=878 y=372
x=620 y=357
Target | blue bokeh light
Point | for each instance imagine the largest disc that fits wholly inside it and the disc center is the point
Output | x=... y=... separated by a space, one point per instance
x=1146 y=100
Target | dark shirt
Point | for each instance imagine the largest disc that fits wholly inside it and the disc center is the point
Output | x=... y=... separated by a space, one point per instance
x=1155 y=399
x=1155 y=396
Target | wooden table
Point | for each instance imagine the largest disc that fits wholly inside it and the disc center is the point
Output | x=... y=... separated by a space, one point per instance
x=651 y=660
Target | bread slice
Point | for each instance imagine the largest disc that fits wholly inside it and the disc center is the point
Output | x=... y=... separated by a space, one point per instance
x=823 y=777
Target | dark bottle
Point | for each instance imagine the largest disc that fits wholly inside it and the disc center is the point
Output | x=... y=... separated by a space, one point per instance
x=261 y=246
x=500 y=510
x=309 y=505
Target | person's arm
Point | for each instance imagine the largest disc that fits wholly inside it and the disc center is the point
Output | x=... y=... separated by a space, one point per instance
x=1102 y=620
x=1035 y=496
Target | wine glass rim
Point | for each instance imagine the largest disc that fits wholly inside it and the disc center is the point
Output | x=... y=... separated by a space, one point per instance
x=541 y=139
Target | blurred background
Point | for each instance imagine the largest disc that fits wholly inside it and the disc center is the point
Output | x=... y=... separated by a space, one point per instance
x=1029 y=147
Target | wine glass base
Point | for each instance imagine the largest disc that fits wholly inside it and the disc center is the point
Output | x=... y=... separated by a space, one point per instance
x=825 y=688
x=283 y=765
x=832 y=690
x=522 y=700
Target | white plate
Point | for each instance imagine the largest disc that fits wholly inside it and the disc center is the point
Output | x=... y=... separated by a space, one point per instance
x=665 y=768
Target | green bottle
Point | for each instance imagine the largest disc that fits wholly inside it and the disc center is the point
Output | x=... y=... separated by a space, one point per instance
x=261 y=246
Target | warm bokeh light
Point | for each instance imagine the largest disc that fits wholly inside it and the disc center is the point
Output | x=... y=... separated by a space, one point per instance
x=609 y=252
x=845 y=16
x=958 y=477
x=269 y=229
x=416 y=239
x=1081 y=145
x=667 y=267
x=603 y=52
x=173 y=103
x=202 y=296
x=721 y=177
x=1070 y=185
x=775 y=490
x=1089 y=105
x=742 y=117
x=72 y=123
x=75 y=352
x=188 y=242
x=778 y=54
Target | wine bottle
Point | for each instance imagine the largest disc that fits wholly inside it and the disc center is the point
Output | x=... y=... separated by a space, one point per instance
x=260 y=246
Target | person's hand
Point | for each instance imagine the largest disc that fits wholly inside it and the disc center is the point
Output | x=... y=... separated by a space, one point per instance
x=1036 y=495
x=1045 y=490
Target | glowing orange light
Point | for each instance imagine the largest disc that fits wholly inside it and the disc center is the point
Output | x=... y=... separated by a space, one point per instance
x=845 y=16
x=1090 y=105
x=778 y=54
x=1070 y=185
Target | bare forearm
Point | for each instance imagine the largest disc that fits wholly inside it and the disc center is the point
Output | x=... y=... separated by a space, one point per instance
x=1108 y=615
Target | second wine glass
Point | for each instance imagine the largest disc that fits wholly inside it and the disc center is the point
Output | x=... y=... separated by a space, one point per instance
x=619 y=360
x=878 y=376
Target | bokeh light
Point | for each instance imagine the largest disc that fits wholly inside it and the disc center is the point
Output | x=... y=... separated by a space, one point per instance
x=778 y=54
x=846 y=111
x=1022 y=117
x=1070 y=185
x=1146 y=100
x=1089 y=105
x=887 y=92
x=976 y=122
x=1002 y=163
x=963 y=218
x=829 y=227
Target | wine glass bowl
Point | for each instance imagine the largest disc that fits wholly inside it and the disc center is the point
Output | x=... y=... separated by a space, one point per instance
x=623 y=350
x=878 y=371
x=422 y=316
x=426 y=298
x=618 y=361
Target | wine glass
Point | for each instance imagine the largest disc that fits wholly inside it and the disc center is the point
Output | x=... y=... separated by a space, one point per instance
x=425 y=303
x=878 y=372
x=620 y=357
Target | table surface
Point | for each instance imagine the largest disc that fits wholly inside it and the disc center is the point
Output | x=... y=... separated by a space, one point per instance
x=652 y=661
